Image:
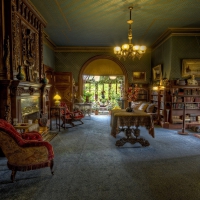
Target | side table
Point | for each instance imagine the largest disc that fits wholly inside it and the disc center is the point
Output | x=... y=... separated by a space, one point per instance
x=24 y=127
x=55 y=112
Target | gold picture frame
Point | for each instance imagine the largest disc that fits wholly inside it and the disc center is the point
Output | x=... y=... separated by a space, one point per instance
x=139 y=76
x=157 y=72
x=191 y=67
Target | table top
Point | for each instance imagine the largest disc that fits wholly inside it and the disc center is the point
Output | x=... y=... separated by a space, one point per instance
x=120 y=117
x=23 y=125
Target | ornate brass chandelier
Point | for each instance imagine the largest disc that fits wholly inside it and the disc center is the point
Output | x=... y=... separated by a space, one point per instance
x=129 y=50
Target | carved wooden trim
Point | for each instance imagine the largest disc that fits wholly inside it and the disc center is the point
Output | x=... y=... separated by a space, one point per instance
x=19 y=91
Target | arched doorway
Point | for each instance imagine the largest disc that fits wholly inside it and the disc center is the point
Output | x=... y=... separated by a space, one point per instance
x=102 y=65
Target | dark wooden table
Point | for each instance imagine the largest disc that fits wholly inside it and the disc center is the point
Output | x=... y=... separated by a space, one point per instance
x=129 y=123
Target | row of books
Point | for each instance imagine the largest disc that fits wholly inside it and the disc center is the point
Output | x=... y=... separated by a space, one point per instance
x=187 y=105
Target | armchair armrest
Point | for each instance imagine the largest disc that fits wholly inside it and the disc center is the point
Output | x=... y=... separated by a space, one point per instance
x=33 y=143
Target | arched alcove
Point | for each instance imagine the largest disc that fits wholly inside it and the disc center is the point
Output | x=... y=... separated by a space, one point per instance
x=102 y=65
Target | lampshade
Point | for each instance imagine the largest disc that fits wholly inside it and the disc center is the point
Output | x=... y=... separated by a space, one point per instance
x=57 y=99
x=155 y=87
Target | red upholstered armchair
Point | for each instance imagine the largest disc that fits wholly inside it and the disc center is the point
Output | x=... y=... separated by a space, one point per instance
x=71 y=117
x=25 y=151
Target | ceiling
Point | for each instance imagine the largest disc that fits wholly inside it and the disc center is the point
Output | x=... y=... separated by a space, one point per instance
x=103 y=23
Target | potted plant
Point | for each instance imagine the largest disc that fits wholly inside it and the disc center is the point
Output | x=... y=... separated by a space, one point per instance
x=95 y=107
x=103 y=101
x=110 y=106
x=87 y=95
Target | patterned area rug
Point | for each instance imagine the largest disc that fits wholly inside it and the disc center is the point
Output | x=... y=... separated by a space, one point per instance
x=49 y=136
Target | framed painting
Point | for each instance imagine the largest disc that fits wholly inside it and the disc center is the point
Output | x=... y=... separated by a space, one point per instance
x=191 y=67
x=139 y=76
x=157 y=72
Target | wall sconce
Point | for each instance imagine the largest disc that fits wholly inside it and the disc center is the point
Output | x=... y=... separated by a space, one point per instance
x=57 y=99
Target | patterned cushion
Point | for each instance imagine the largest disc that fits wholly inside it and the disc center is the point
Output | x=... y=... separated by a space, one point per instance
x=143 y=106
x=135 y=105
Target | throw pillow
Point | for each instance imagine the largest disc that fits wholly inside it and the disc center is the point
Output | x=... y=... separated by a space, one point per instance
x=143 y=106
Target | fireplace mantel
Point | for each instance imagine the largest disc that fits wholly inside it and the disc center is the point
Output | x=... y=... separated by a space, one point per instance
x=24 y=88
x=32 y=95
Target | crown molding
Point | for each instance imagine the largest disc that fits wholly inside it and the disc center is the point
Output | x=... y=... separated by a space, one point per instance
x=175 y=32
x=83 y=49
x=48 y=42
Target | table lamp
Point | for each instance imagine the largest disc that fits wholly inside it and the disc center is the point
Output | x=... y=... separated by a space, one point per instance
x=57 y=99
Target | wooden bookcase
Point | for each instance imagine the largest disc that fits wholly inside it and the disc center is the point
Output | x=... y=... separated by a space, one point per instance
x=182 y=102
x=143 y=94
x=154 y=98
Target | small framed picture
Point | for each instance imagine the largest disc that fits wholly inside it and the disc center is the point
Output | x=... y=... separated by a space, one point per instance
x=157 y=72
x=139 y=76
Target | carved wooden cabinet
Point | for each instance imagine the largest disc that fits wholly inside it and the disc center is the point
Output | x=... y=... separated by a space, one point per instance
x=21 y=39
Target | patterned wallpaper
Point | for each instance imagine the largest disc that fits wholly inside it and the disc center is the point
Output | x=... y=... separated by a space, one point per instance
x=72 y=62
x=48 y=56
x=183 y=48
x=171 y=53
x=162 y=55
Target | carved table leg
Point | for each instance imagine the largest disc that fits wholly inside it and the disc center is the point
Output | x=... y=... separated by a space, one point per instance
x=131 y=139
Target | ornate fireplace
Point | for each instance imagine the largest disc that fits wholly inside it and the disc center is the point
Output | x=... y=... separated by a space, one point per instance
x=29 y=100
x=24 y=94
x=30 y=108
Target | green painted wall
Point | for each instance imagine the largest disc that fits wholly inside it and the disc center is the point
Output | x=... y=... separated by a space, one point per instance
x=183 y=48
x=72 y=62
x=162 y=55
x=171 y=53
x=48 y=56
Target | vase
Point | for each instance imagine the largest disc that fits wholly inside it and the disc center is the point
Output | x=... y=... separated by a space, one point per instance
x=129 y=109
x=45 y=80
x=96 y=112
x=20 y=76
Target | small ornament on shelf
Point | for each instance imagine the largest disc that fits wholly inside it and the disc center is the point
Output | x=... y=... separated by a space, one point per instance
x=44 y=79
x=20 y=75
x=192 y=81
